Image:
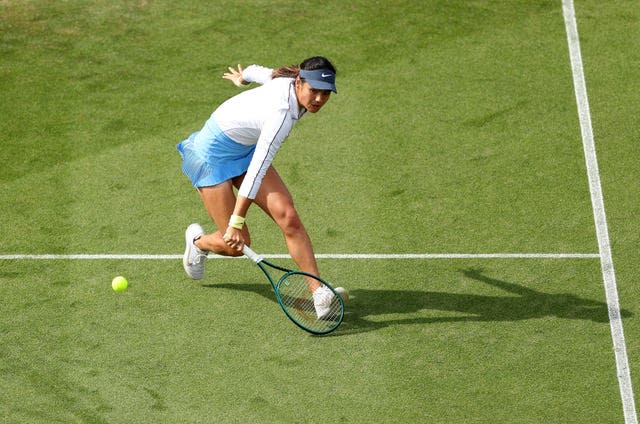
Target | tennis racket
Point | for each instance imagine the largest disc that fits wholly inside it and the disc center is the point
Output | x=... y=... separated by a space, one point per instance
x=295 y=294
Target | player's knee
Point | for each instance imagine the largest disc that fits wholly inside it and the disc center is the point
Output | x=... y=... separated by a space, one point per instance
x=290 y=222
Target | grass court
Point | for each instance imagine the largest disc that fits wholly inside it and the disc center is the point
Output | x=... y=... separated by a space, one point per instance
x=455 y=137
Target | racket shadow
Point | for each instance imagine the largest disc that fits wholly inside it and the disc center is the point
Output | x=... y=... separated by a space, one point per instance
x=262 y=289
x=370 y=309
x=265 y=291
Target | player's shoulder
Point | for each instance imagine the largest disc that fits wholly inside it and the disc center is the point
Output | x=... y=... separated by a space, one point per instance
x=280 y=82
x=279 y=90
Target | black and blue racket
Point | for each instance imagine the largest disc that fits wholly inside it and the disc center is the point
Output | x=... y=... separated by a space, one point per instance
x=294 y=292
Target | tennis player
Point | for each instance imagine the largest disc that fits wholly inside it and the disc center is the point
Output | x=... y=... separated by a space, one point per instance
x=236 y=147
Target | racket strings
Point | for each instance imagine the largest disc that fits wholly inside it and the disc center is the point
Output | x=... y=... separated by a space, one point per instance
x=296 y=298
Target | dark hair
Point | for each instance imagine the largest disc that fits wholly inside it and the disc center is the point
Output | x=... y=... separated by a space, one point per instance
x=310 y=64
x=317 y=62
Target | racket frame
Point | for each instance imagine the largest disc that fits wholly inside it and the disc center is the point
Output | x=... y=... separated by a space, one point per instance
x=263 y=264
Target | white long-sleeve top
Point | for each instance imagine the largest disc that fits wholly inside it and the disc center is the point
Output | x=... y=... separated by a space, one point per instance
x=263 y=116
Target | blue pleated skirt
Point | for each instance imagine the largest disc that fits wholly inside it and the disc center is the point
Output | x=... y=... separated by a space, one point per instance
x=210 y=157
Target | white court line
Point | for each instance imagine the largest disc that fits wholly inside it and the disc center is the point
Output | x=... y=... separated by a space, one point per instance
x=597 y=202
x=364 y=256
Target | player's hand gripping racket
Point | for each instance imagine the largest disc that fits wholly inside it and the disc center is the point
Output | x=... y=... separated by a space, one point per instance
x=310 y=302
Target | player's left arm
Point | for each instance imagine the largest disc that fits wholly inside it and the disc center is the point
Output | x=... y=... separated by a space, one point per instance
x=253 y=73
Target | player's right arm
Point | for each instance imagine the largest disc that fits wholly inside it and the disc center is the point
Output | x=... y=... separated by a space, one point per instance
x=234 y=236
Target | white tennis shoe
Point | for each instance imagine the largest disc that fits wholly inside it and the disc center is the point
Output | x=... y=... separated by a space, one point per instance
x=193 y=259
x=322 y=299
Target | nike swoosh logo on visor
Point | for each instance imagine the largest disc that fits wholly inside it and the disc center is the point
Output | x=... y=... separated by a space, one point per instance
x=326 y=75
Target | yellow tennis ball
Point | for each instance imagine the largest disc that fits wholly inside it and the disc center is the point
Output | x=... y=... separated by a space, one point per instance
x=344 y=293
x=119 y=284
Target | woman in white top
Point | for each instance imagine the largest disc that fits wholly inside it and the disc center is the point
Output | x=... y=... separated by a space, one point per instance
x=236 y=147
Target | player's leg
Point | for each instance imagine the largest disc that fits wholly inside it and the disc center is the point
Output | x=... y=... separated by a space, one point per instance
x=219 y=202
x=274 y=198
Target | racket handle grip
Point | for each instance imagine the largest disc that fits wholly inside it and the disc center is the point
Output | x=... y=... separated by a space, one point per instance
x=251 y=254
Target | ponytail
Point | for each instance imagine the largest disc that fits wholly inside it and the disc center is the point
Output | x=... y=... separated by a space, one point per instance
x=290 y=71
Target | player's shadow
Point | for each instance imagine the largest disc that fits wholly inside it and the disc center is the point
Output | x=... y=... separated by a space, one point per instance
x=519 y=303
